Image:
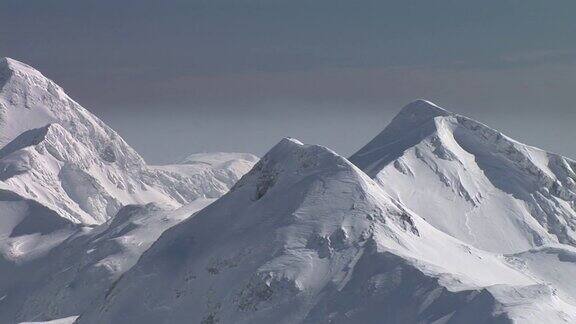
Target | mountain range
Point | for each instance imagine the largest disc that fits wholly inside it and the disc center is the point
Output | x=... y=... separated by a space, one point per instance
x=439 y=219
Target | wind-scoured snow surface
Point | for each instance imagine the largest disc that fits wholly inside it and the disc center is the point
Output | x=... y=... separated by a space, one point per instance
x=440 y=219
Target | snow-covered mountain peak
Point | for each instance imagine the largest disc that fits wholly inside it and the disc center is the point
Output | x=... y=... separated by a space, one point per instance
x=420 y=111
x=24 y=87
x=28 y=100
x=288 y=154
x=415 y=121
x=9 y=66
x=56 y=152
x=459 y=173
x=291 y=150
x=283 y=148
x=287 y=141
x=417 y=115
x=289 y=161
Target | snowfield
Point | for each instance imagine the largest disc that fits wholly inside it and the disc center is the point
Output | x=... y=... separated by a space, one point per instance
x=439 y=219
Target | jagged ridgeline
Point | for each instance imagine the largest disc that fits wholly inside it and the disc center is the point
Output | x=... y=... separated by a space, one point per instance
x=59 y=154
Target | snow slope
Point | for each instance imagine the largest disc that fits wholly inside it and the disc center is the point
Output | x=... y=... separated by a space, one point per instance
x=57 y=153
x=27 y=229
x=306 y=237
x=65 y=281
x=472 y=181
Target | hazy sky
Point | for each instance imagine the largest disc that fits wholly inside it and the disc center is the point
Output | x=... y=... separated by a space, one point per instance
x=178 y=77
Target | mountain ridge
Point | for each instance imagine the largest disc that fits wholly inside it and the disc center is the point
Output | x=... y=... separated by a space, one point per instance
x=56 y=152
x=307 y=237
x=457 y=166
